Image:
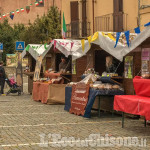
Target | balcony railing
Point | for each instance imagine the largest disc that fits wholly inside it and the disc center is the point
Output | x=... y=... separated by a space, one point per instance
x=78 y=29
x=110 y=22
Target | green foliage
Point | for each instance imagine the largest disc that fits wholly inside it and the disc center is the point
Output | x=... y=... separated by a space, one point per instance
x=7 y=38
x=43 y=30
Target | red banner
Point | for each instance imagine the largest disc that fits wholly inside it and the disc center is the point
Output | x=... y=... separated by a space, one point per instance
x=79 y=98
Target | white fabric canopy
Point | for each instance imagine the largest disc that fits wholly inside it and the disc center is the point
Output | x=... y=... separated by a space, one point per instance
x=121 y=50
x=71 y=47
x=37 y=50
x=74 y=47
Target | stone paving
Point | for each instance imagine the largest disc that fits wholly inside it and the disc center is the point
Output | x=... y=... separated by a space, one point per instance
x=24 y=122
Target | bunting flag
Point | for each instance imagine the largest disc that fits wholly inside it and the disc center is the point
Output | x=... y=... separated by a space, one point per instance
x=83 y=43
x=12 y=15
x=104 y=34
x=0 y=17
x=27 y=9
x=27 y=48
x=89 y=40
x=17 y=11
x=64 y=28
x=127 y=34
x=72 y=43
x=41 y=1
x=4 y=15
x=22 y=10
x=30 y=5
x=95 y=37
x=55 y=44
x=45 y=46
x=111 y=37
x=147 y=24
x=137 y=30
x=117 y=38
x=36 y=3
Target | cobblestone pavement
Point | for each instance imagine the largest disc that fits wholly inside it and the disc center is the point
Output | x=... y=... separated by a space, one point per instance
x=23 y=122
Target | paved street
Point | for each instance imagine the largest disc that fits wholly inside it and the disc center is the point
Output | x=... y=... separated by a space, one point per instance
x=23 y=123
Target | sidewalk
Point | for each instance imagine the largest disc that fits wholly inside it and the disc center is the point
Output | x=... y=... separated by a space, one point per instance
x=25 y=124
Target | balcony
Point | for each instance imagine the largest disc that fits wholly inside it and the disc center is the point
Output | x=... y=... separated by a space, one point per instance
x=78 y=29
x=111 y=22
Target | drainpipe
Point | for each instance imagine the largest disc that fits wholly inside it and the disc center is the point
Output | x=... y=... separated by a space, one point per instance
x=139 y=20
x=93 y=14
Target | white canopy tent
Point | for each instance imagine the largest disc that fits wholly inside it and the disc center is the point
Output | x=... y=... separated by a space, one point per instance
x=122 y=49
x=71 y=47
x=105 y=42
x=36 y=50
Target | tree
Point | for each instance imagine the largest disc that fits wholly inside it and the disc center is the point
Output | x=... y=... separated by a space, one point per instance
x=7 y=38
x=44 y=29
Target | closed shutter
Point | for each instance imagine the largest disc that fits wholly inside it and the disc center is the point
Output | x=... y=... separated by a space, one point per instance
x=74 y=19
x=118 y=16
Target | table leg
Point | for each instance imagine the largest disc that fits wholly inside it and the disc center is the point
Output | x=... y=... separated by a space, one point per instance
x=122 y=119
x=99 y=107
x=145 y=122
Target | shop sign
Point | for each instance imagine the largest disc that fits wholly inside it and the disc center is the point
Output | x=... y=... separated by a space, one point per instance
x=79 y=98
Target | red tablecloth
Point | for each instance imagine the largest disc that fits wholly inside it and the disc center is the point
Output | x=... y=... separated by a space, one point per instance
x=40 y=91
x=133 y=104
x=141 y=86
x=52 y=75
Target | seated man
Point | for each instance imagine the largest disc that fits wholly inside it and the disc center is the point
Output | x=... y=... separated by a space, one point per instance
x=64 y=66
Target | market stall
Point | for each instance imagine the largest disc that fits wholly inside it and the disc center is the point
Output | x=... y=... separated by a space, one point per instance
x=32 y=52
x=52 y=75
x=132 y=60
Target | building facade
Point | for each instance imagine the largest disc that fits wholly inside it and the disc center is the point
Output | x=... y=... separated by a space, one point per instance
x=84 y=17
x=6 y=6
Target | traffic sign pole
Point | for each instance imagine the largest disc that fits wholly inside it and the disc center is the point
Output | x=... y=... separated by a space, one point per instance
x=20 y=46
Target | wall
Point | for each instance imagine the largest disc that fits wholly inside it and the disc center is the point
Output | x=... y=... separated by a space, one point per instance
x=6 y=6
x=130 y=7
x=101 y=8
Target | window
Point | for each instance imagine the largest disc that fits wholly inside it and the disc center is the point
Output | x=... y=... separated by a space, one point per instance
x=40 y=4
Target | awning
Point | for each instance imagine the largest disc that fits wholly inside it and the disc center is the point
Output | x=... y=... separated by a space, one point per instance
x=71 y=47
x=36 y=50
x=107 y=44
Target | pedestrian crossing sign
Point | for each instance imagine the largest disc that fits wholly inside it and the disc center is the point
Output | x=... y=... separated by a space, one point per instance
x=20 y=45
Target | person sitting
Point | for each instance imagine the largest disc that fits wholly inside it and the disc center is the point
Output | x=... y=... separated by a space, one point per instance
x=110 y=66
x=2 y=78
x=64 y=66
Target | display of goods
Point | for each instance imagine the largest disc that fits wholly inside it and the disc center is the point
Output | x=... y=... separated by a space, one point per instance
x=101 y=86
x=115 y=86
x=90 y=71
x=108 y=86
x=146 y=75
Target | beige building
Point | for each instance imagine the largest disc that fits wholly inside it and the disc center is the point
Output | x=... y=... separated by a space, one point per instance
x=83 y=17
x=6 y=6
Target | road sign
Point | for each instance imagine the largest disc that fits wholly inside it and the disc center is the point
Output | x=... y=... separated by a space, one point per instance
x=20 y=45
x=1 y=46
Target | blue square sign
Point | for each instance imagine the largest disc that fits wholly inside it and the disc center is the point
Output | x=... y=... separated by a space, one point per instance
x=1 y=46
x=20 y=45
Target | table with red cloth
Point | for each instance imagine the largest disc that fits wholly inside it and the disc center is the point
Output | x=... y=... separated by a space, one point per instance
x=40 y=91
x=138 y=104
x=133 y=104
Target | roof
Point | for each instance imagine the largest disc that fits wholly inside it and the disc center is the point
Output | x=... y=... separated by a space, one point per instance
x=36 y=50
